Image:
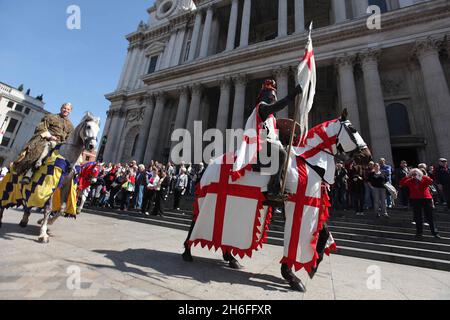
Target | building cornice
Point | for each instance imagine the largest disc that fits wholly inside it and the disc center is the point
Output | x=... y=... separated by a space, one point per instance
x=331 y=35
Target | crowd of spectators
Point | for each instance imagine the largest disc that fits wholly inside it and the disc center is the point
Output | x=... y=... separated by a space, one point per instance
x=133 y=187
x=364 y=188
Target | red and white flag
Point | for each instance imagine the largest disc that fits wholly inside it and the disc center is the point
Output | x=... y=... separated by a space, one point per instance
x=307 y=78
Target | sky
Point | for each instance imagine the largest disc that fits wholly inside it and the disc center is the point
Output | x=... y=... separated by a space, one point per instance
x=78 y=66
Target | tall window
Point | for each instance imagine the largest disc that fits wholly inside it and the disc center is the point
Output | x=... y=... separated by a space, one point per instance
x=153 y=62
x=380 y=3
x=12 y=125
x=398 y=120
x=5 y=142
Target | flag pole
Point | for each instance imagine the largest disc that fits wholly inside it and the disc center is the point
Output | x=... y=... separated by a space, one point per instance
x=291 y=139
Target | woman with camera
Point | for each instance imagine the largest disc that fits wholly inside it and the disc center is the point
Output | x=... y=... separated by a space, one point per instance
x=419 y=184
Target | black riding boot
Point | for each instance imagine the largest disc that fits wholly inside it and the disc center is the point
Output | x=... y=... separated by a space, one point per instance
x=274 y=187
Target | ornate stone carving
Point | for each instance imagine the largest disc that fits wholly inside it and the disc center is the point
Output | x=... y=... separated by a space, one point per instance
x=345 y=60
x=225 y=83
x=426 y=46
x=370 y=56
x=196 y=89
x=240 y=79
x=160 y=97
x=135 y=115
x=282 y=71
x=393 y=86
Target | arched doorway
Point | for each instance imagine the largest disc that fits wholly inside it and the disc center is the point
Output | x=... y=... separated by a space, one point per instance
x=129 y=148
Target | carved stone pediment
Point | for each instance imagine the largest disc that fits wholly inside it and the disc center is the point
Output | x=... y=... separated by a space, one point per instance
x=155 y=48
x=394 y=85
x=135 y=115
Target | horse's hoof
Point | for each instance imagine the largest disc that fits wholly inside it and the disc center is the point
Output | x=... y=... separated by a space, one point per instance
x=187 y=256
x=297 y=286
x=234 y=264
x=23 y=224
x=43 y=239
x=312 y=273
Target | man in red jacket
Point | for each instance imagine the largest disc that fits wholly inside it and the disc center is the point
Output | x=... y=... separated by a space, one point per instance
x=420 y=196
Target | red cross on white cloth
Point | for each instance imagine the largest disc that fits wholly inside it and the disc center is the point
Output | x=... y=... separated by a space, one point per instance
x=225 y=212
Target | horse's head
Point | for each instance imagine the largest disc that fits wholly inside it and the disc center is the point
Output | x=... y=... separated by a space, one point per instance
x=350 y=144
x=89 y=131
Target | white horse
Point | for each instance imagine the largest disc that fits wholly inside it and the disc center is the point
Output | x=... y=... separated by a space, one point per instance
x=84 y=137
x=234 y=217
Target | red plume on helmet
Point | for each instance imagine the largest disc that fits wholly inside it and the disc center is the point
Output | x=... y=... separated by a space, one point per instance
x=268 y=91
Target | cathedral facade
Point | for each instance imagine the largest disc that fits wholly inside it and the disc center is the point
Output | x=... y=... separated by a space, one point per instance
x=205 y=61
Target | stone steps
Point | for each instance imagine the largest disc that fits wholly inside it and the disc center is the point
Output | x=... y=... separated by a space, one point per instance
x=369 y=239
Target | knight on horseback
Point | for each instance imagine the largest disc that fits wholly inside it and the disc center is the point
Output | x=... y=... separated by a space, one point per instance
x=52 y=130
x=267 y=106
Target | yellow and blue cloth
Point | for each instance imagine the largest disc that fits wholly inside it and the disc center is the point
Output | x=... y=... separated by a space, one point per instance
x=46 y=181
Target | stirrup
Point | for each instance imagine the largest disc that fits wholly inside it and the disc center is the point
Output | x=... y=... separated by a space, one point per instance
x=277 y=198
x=25 y=180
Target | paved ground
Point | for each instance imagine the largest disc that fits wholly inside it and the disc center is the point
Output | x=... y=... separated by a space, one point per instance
x=119 y=259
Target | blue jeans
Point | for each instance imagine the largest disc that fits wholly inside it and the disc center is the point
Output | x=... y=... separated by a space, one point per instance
x=368 y=198
x=138 y=197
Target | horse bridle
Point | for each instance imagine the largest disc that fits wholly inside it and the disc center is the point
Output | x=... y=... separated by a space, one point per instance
x=87 y=141
x=351 y=132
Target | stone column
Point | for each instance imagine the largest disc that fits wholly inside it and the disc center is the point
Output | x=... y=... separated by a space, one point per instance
x=145 y=128
x=339 y=10
x=130 y=67
x=124 y=70
x=282 y=79
x=109 y=133
x=232 y=26
x=437 y=92
x=182 y=111
x=169 y=51
x=360 y=7
x=206 y=32
x=194 y=108
x=224 y=105
x=347 y=88
x=376 y=110
x=245 y=27
x=139 y=69
x=195 y=35
x=240 y=83
x=176 y=56
x=115 y=133
x=155 y=128
x=299 y=16
x=282 y=18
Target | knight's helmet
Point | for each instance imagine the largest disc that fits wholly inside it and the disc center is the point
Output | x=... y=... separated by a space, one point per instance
x=268 y=92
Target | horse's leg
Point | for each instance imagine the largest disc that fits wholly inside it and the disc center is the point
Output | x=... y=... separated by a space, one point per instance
x=1 y=216
x=187 y=255
x=82 y=201
x=295 y=283
x=232 y=262
x=324 y=235
x=26 y=216
x=43 y=237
